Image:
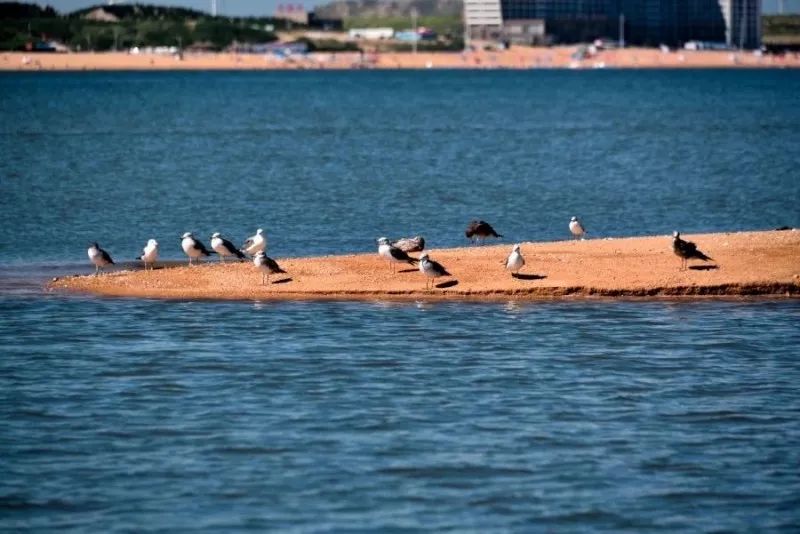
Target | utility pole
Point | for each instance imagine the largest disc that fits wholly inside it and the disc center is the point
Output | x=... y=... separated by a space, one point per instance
x=213 y=8
x=780 y=7
x=414 y=25
x=622 y=30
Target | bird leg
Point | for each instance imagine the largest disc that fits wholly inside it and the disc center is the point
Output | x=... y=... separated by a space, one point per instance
x=96 y=270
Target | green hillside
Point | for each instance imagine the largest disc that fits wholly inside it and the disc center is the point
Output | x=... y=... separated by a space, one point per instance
x=103 y=27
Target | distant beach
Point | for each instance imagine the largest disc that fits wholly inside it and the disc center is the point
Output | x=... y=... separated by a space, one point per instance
x=747 y=263
x=514 y=58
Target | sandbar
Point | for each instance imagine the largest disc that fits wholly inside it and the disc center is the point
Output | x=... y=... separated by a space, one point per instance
x=746 y=264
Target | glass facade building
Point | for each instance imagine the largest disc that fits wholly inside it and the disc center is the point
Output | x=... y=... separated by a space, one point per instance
x=646 y=22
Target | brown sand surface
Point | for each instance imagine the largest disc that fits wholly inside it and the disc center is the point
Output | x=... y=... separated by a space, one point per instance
x=747 y=263
x=514 y=58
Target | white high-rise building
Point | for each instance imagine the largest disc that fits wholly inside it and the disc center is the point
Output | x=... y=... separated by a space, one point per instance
x=482 y=18
x=742 y=22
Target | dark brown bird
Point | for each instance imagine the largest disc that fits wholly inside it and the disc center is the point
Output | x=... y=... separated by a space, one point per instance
x=686 y=250
x=479 y=230
x=410 y=244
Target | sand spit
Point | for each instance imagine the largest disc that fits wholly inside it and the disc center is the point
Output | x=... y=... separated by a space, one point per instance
x=748 y=264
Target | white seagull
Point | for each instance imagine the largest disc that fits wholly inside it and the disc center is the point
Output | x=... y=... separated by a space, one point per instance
x=224 y=248
x=515 y=261
x=431 y=269
x=255 y=244
x=266 y=265
x=576 y=228
x=149 y=253
x=99 y=257
x=393 y=254
x=193 y=248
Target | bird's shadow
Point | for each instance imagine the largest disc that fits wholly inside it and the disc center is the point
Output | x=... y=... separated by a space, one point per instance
x=449 y=283
x=704 y=267
x=408 y=271
x=283 y=281
x=520 y=276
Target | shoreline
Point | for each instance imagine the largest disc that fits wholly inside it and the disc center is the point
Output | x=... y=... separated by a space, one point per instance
x=749 y=264
x=516 y=58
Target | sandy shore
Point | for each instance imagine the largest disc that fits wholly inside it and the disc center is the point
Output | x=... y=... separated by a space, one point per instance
x=515 y=58
x=747 y=263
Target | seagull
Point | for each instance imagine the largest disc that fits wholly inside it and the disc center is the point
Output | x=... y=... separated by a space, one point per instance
x=223 y=247
x=192 y=247
x=515 y=261
x=686 y=250
x=99 y=257
x=149 y=253
x=576 y=228
x=410 y=244
x=393 y=254
x=255 y=244
x=480 y=230
x=266 y=265
x=431 y=269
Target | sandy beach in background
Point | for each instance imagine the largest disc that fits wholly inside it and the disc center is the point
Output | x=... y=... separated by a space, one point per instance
x=515 y=58
x=747 y=263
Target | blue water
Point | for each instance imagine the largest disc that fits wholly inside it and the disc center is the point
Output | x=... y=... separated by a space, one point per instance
x=129 y=415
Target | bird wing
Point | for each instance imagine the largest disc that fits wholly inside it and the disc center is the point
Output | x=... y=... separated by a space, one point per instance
x=410 y=244
x=273 y=265
x=486 y=228
x=692 y=252
x=106 y=257
x=232 y=249
x=439 y=268
x=399 y=255
x=198 y=245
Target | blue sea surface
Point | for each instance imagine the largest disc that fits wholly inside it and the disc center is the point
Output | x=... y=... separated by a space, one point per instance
x=124 y=415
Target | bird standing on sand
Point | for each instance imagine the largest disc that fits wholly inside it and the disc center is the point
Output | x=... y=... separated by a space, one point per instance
x=686 y=250
x=266 y=265
x=255 y=244
x=99 y=257
x=410 y=244
x=515 y=261
x=393 y=254
x=577 y=229
x=149 y=253
x=193 y=248
x=431 y=269
x=224 y=248
x=478 y=231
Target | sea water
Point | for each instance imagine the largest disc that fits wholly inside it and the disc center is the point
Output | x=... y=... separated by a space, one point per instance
x=136 y=415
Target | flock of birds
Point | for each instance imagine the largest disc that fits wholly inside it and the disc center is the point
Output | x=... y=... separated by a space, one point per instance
x=393 y=251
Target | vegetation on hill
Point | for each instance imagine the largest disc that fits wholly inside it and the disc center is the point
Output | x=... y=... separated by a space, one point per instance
x=444 y=24
x=781 y=29
x=119 y=27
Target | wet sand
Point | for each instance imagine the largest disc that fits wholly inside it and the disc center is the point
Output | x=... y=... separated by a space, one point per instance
x=747 y=264
x=514 y=58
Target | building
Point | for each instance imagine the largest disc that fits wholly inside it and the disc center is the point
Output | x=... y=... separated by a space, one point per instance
x=637 y=22
x=483 y=19
x=742 y=23
x=292 y=13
